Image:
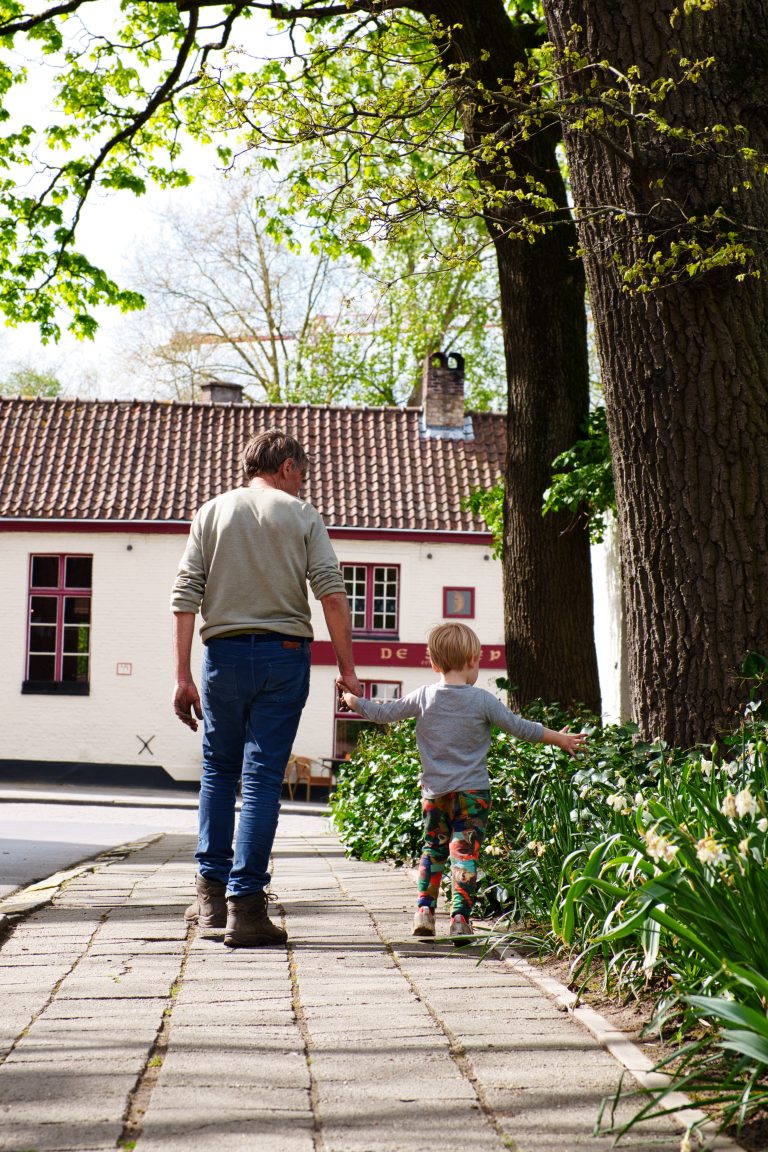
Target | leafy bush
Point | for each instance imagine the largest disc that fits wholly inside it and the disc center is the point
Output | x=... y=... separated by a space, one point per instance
x=582 y=478
x=684 y=892
x=376 y=805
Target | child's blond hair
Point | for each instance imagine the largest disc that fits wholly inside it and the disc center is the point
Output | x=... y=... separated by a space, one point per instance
x=452 y=646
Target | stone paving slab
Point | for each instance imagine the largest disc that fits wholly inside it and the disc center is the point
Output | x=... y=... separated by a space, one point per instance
x=120 y=1026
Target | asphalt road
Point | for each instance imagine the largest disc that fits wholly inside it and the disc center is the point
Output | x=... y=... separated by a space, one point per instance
x=40 y=838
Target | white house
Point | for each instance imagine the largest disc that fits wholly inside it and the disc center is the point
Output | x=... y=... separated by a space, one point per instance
x=95 y=505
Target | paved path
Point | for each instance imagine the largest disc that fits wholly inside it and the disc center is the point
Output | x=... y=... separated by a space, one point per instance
x=120 y=1029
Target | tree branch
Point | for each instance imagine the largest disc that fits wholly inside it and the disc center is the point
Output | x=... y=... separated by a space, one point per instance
x=163 y=93
x=27 y=23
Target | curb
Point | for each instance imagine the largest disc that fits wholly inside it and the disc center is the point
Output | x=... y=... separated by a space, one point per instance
x=125 y=800
x=42 y=892
x=624 y=1051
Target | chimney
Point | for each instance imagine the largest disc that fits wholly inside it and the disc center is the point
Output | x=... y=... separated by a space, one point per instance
x=219 y=392
x=443 y=393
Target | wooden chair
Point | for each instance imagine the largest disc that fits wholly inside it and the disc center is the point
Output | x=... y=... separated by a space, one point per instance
x=305 y=770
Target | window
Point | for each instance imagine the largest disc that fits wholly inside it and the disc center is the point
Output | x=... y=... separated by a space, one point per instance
x=372 y=590
x=459 y=602
x=59 y=628
x=348 y=725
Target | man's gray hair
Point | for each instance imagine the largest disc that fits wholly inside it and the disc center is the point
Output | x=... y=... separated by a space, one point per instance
x=267 y=451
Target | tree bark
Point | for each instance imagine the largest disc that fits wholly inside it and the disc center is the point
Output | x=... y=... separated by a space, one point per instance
x=549 y=623
x=685 y=366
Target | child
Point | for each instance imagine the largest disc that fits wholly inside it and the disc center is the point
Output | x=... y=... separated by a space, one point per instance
x=453 y=732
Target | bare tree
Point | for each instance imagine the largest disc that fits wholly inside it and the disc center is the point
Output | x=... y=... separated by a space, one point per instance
x=228 y=298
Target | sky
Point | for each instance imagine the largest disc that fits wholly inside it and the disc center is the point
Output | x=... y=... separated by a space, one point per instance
x=116 y=228
x=113 y=231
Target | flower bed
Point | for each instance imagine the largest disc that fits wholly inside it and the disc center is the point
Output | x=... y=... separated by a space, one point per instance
x=644 y=865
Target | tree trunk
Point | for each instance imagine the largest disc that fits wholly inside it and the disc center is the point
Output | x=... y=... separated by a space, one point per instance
x=547 y=573
x=549 y=624
x=685 y=365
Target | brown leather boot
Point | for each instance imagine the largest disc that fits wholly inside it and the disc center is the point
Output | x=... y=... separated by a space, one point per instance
x=210 y=908
x=248 y=925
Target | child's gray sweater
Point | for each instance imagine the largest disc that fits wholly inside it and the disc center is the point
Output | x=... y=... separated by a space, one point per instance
x=453 y=732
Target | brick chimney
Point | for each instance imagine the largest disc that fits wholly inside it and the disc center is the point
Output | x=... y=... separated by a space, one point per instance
x=443 y=395
x=220 y=392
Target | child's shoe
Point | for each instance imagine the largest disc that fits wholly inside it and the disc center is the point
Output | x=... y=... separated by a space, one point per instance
x=460 y=928
x=424 y=922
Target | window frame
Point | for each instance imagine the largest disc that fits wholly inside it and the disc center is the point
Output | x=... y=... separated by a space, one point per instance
x=60 y=592
x=368 y=630
x=346 y=714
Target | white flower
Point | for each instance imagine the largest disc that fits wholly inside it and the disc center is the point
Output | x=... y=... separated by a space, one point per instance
x=706 y=766
x=617 y=802
x=762 y=825
x=744 y=846
x=731 y=767
x=537 y=848
x=709 y=851
x=659 y=847
x=746 y=805
x=639 y=799
x=728 y=807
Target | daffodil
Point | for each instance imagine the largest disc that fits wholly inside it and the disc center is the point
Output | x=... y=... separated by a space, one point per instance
x=659 y=847
x=728 y=807
x=709 y=851
x=746 y=805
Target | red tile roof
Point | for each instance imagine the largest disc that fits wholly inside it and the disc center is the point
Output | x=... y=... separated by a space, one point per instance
x=155 y=461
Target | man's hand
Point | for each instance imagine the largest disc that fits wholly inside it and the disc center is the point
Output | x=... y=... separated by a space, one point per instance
x=350 y=683
x=350 y=699
x=186 y=703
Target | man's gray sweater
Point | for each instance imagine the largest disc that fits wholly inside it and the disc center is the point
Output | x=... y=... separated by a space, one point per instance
x=249 y=556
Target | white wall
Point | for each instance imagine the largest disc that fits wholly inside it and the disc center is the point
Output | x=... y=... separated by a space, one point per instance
x=131 y=624
x=610 y=638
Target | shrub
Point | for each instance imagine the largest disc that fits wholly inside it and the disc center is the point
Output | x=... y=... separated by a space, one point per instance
x=376 y=805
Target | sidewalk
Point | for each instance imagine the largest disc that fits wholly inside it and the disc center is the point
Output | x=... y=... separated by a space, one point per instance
x=120 y=1029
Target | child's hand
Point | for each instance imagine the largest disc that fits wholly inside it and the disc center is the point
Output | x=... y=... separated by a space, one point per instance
x=350 y=701
x=572 y=742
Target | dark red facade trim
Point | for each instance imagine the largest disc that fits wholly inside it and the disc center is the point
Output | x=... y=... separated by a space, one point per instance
x=129 y=527
x=395 y=654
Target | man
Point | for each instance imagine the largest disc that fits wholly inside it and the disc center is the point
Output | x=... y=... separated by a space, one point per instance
x=250 y=554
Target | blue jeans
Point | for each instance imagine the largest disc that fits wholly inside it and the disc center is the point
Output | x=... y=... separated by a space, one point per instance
x=253 y=693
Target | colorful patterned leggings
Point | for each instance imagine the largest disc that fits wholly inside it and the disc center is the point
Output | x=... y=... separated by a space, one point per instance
x=454 y=826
